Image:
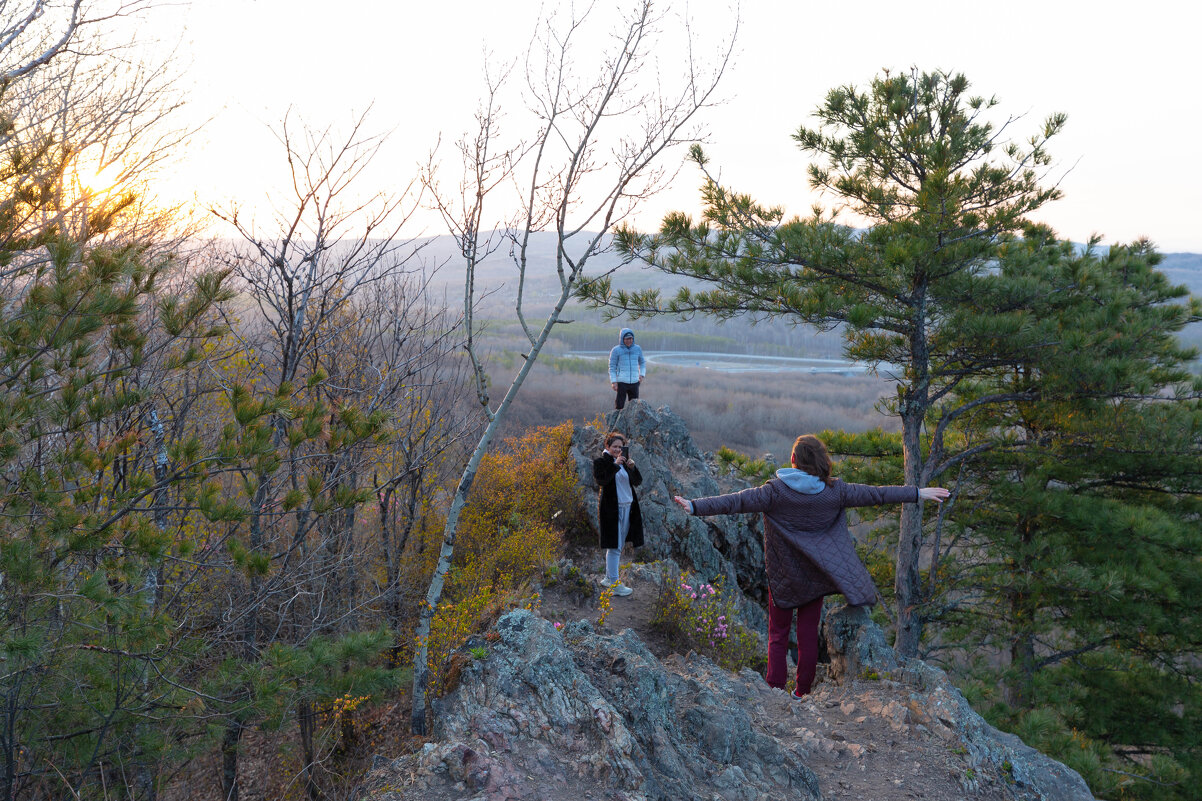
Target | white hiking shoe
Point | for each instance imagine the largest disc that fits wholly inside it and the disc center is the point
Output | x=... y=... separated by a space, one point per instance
x=616 y=586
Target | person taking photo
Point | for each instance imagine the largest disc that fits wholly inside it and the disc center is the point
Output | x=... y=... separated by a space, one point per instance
x=617 y=506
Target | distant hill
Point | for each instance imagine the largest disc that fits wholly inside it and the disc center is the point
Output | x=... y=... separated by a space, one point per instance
x=1184 y=268
x=496 y=283
x=498 y=268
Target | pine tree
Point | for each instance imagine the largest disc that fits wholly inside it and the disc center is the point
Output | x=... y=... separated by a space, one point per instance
x=88 y=651
x=1076 y=537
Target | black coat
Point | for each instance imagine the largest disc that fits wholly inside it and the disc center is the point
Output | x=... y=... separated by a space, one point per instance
x=604 y=470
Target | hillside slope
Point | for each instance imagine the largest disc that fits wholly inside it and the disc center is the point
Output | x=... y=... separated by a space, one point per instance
x=560 y=715
x=574 y=709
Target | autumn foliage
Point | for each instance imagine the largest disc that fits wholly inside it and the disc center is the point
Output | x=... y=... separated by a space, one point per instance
x=523 y=503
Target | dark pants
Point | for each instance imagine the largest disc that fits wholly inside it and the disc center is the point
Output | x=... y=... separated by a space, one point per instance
x=780 y=620
x=626 y=391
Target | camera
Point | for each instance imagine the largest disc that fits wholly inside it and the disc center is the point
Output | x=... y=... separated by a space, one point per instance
x=625 y=452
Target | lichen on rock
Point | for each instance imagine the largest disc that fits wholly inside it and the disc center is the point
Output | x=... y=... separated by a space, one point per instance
x=561 y=714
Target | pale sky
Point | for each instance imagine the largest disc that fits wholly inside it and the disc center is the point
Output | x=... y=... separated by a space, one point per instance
x=1125 y=73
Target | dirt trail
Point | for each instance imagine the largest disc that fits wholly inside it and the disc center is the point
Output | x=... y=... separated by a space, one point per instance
x=861 y=739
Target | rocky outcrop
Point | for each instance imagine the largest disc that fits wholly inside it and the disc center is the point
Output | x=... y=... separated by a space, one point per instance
x=726 y=548
x=561 y=714
x=573 y=714
x=567 y=714
x=911 y=693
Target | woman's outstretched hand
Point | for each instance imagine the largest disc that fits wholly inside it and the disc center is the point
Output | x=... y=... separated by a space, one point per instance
x=936 y=494
x=685 y=503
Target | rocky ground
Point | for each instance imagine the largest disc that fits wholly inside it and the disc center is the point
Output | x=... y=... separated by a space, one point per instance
x=576 y=712
x=573 y=701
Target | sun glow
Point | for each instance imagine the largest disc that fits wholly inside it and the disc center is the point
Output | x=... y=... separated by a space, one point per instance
x=96 y=180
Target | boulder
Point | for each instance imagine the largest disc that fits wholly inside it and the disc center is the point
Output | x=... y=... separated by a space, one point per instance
x=855 y=644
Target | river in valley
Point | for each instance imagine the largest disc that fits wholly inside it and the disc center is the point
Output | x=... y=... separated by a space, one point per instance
x=739 y=362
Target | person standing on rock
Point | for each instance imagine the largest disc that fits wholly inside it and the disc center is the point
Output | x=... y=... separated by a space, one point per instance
x=808 y=551
x=627 y=368
x=617 y=506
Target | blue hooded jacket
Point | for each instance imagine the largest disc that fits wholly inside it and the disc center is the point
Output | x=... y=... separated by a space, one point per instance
x=626 y=364
x=801 y=481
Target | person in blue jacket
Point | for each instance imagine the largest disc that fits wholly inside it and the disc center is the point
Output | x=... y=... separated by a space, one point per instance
x=627 y=368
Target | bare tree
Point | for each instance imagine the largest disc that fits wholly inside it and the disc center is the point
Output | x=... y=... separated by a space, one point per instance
x=322 y=247
x=595 y=155
x=337 y=339
x=33 y=33
x=411 y=354
x=74 y=100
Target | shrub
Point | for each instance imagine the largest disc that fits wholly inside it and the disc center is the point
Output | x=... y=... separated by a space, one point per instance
x=454 y=621
x=572 y=583
x=511 y=530
x=528 y=482
x=697 y=614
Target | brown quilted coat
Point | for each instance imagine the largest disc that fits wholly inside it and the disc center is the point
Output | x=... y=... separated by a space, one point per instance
x=808 y=551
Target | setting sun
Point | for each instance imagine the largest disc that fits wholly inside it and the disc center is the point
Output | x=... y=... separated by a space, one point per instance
x=98 y=181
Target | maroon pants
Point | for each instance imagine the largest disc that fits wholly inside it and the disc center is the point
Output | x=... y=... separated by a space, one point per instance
x=780 y=620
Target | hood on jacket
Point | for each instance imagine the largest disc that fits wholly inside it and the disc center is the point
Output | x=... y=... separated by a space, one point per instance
x=622 y=335
x=801 y=481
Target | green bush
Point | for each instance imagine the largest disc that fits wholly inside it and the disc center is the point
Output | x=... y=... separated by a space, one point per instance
x=698 y=615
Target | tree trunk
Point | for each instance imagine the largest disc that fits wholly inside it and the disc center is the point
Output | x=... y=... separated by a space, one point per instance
x=1020 y=680
x=9 y=742
x=400 y=539
x=350 y=575
x=229 y=760
x=151 y=588
x=306 y=720
x=421 y=668
x=907 y=582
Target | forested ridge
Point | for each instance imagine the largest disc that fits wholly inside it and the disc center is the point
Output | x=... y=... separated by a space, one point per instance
x=258 y=487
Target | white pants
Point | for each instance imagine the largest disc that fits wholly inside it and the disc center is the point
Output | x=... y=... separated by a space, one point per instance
x=613 y=555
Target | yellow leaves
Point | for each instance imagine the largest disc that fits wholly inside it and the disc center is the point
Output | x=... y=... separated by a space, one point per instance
x=507 y=534
x=452 y=624
x=604 y=603
x=528 y=478
x=347 y=704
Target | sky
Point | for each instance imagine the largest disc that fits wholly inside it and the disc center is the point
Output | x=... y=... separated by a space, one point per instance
x=1126 y=74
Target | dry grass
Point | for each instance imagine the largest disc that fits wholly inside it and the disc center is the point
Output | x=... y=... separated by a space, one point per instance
x=752 y=413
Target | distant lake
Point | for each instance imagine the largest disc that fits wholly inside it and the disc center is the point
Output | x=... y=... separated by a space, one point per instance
x=738 y=363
